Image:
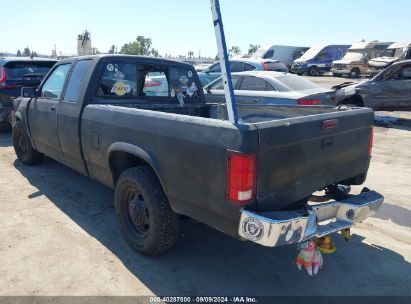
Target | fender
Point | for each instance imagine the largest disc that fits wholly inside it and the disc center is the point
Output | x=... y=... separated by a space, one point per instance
x=21 y=113
x=140 y=153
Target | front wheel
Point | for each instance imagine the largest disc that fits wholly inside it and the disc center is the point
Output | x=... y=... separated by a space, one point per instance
x=312 y=71
x=144 y=213
x=23 y=148
x=355 y=73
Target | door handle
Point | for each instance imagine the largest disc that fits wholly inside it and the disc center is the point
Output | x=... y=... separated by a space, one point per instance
x=256 y=100
x=53 y=108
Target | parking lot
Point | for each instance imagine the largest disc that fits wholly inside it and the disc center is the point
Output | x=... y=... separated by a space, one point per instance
x=59 y=237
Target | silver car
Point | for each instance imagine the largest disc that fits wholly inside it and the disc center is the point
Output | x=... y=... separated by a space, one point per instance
x=266 y=87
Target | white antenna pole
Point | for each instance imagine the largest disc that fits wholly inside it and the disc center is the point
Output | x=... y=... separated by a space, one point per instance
x=224 y=63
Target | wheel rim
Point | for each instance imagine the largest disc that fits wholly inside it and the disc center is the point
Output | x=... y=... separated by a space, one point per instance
x=138 y=216
x=313 y=72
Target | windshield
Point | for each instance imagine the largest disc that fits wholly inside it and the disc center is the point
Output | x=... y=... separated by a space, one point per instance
x=388 y=53
x=18 y=70
x=297 y=83
x=351 y=56
x=311 y=53
x=259 y=54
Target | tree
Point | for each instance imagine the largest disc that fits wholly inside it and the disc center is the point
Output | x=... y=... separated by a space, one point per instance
x=141 y=46
x=235 y=50
x=18 y=53
x=253 y=48
x=155 y=53
x=190 y=54
x=26 y=52
x=132 y=48
x=145 y=45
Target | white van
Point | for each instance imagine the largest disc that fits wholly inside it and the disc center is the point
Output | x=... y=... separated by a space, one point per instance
x=284 y=53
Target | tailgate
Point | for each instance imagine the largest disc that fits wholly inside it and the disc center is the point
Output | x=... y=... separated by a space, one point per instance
x=299 y=156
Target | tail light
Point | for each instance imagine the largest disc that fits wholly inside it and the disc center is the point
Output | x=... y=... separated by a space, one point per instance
x=370 y=142
x=309 y=102
x=151 y=83
x=265 y=66
x=241 y=178
x=2 y=75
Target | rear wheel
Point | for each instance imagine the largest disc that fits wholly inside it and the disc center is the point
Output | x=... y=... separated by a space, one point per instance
x=23 y=148
x=144 y=213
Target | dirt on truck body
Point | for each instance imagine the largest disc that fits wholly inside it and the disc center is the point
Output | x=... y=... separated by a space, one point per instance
x=168 y=154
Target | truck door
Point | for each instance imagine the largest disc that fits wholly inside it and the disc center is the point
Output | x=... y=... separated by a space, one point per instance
x=42 y=116
x=69 y=116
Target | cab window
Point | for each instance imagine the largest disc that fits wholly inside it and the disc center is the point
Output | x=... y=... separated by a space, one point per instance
x=125 y=80
x=54 y=84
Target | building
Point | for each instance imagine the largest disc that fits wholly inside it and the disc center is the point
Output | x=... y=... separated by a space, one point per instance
x=84 y=44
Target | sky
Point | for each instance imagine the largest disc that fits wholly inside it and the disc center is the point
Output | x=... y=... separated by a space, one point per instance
x=179 y=26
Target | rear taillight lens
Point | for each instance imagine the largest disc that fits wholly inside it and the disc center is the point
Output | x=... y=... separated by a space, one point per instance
x=151 y=83
x=370 y=142
x=265 y=66
x=241 y=177
x=309 y=102
x=2 y=75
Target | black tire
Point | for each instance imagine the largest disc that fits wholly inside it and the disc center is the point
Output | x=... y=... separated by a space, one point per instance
x=312 y=71
x=355 y=73
x=23 y=148
x=5 y=126
x=144 y=213
x=336 y=75
x=300 y=74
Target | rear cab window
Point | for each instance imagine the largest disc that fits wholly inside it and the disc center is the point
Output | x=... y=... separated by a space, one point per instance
x=155 y=83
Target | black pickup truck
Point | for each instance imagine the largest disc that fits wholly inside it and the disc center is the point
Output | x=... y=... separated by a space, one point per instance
x=168 y=154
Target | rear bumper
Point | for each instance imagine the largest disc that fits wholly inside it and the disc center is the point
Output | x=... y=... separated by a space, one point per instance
x=280 y=228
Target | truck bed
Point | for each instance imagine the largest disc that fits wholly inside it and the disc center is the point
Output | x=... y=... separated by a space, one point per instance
x=296 y=156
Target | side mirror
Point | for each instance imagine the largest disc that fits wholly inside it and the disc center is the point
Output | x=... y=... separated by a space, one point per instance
x=29 y=92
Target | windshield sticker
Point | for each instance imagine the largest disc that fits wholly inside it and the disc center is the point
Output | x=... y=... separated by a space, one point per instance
x=180 y=98
x=119 y=75
x=110 y=67
x=121 y=88
x=183 y=85
x=191 y=90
